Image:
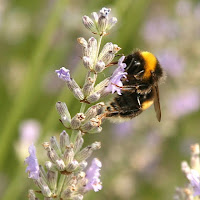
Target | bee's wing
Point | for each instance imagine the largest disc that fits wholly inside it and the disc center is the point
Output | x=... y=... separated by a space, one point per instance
x=157 y=102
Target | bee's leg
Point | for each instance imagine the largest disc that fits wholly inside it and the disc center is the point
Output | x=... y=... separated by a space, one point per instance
x=137 y=76
x=119 y=55
x=111 y=64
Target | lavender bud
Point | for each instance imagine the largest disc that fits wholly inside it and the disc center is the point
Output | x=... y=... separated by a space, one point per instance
x=53 y=156
x=93 y=97
x=111 y=22
x=78 y=197
x=87 y=151
x=89 y=24
x=92 y=48
x=72 y=166
x=77 y=120
x=93 y=111
x=185 y=167
x=96 y=129
x=82 y=165
x=82 y=42
x=87 y=62
x=55 y=145
x=78 y=144
x=101 y=86
x=43 y=173
x=64 y=140
x=50 y=166
x=88 y=86
x=68 y=155
x=108 y=47
x=195 y=161
x=99 y=67
x=67 y=193
x=64 y=113
x=78 y=94
x=92 y=124
x=103 y=20
x=60 y=165
x=116 y=48
x=31 y=195
x=44 y=187
x=95 y=17
x=52 y=179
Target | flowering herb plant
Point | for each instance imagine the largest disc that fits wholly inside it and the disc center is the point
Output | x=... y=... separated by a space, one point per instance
x=64 y=175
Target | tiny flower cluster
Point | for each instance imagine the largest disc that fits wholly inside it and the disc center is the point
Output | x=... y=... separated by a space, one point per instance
x=192 y=173
x=63 y=175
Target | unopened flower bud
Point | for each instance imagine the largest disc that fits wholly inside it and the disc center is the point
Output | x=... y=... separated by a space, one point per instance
x=78 y=197
x=55 y=145
x=92 y=48
x=64 y=141
x=64 y=113
x=116 y=48
x=31 y=195
x=60 y=165
x=43 y=187
x=195 y=160
x=78 y=94
x=103 y=20
x=87 y=62
x=89 y=24
x=78 y=144
x=93 y=97
x=52 y=179
x=185 y=167
x=96 y=129
x=99 y=67
x=82 y=42
x=90 y=125
x=50 y=166
x=67 y=193
x=95 y=17
x=108 y=47
x=111 y=22
x=82 y=165
x=101 y=86
x=88 y=87
x=53 y=156
x=68 y=155
x=87 y=151
x=43 y=173
x=77 y=120
x=72 y=166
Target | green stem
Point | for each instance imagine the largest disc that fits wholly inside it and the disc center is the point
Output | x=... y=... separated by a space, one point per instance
x=82 y=109
x=60 y=185
x=74 y=136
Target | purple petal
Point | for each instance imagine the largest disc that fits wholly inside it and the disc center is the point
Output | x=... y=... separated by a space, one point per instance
x=32 y=162
x=63 y=74
x=93 y=175
x=194 y=179
x=115 y=80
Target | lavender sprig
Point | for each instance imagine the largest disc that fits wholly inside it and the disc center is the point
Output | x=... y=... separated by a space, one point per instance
x=64 y=175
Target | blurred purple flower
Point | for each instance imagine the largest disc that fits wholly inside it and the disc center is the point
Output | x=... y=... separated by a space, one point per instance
x=63 y=74
x=172 y=62
x=29 y=131
x=115 y=80
x=32 y=162
x=194 y=179
x=159 y=29
x=123 y=129
x=184 y=103
x=93 y=175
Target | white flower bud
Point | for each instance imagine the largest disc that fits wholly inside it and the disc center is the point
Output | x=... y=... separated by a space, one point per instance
x=100 y=66
x=78 y=197
x=89 y=24
x=82 y=42
x=60 y=165
x=64 y=140
x=31 y=195
x=55 y=145
x=88 y=87
x=111 y=22
x=93 y=97
x=78 y=94
x=68 y=155
x=72 y=166
x=52 y=179
x=50 y=166
x=95 y=17
x=78 y=144
x=87 y=62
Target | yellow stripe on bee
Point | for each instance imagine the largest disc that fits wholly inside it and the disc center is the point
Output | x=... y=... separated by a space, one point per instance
x=147 y=104
x=150 y=63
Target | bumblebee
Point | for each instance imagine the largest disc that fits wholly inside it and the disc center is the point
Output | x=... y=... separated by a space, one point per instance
x=140 y=87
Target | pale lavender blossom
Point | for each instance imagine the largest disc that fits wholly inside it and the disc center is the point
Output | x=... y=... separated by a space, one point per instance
x=159 y=29
x=32 y=162
x=194 y=179
x=93 y=175
x=63 y=74
x=29 y=131
x=115 y=82
x=172 y=62
x=184 y=103
x=123 y=129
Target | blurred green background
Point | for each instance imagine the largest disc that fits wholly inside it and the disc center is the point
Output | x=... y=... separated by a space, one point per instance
x=141 y=158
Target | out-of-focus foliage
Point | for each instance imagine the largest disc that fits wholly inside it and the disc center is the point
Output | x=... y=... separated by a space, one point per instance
x=141 y=158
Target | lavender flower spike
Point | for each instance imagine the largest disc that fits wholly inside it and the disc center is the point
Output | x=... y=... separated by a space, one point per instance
x=194 y=179
x=63 y=74
x=115 y=80
x=32 y=162
x=93 y=175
